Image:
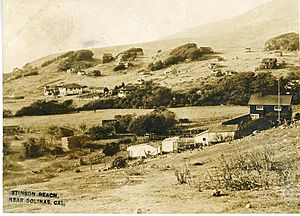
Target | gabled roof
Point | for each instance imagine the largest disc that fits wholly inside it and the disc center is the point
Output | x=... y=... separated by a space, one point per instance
x=285 y=100
x=171 y=138
x=72 y=86
x=269 y=60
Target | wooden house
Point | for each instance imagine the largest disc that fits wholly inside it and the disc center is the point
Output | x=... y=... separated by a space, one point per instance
x=268 y=63
x=71 y=89
x=270 y=105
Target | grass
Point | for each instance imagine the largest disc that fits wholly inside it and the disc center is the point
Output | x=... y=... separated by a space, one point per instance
x=91 y=118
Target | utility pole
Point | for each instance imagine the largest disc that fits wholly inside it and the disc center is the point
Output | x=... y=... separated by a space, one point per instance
x=278 y=102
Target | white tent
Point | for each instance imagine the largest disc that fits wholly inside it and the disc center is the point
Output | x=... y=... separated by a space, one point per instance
x=142 y=150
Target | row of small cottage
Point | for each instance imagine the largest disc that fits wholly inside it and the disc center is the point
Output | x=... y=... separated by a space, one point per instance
x=76 y=89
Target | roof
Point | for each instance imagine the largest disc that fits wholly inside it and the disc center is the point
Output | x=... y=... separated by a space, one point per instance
x=224 y=128
x=171 y=138
x=269 y=60
x=285 y=100
x=72 y=85
x=143 y=145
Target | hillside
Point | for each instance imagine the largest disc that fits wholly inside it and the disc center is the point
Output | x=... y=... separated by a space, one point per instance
x=250 y=29
x=228 y=38
x=151 y=187
x=288 y=41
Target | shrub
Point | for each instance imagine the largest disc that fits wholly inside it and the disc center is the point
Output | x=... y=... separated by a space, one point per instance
x=119 y=67
x=183 y=175
x=34 y=148
x=7 y=113
x=250 y=170
x=156 y=66
x=83 y=55
x=6 y=147
x=111 y=149
x=173 y=60
x=119 y=162
x=57 y=151
x=99 y=132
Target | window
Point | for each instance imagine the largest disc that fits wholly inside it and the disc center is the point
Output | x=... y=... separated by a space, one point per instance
x=204 y=139
x=259 y=107
x=254 y=116
x=277 y=108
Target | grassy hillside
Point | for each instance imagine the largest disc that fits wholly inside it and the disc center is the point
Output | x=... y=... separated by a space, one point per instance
x=152 y=186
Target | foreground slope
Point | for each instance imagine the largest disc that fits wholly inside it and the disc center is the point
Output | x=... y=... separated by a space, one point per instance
x=152 y=187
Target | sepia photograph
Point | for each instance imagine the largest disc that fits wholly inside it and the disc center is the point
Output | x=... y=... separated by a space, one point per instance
x=151 y=106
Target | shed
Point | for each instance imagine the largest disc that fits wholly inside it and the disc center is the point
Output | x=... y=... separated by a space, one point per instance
x=169 y=144
x=142 y=150
x=73 y=142
x=220 y=133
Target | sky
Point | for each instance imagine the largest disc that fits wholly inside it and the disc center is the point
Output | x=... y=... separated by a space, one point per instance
x=35 y=28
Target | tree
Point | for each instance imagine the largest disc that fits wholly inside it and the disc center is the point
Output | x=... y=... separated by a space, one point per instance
x=122 y=123
x=53 y=131
x=111 y=149
x=83 y=55
x=34 y=148
x=159 y=121
x=99 y=132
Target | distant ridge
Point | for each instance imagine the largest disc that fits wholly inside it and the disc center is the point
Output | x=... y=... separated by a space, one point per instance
x=252 y=28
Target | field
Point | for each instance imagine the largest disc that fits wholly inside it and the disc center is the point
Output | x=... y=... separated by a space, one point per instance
x=94 y=118
x=151 y=187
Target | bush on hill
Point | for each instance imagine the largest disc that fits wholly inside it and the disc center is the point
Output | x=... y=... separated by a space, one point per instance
x=130 y=54
x=80 y=59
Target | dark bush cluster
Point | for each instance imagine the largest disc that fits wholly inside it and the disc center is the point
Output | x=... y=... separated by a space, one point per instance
x=130 y=54
x=42 y=107
x=180 y=54
x=100 y=132
x=159 y=122
x=78 y=60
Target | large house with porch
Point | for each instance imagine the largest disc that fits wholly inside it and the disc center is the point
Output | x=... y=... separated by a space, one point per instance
x=270 y=105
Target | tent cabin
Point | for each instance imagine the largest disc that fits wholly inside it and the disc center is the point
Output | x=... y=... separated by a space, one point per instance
x=270 y=105
x=169 y=144
x=220 y=133
x=142 y=151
